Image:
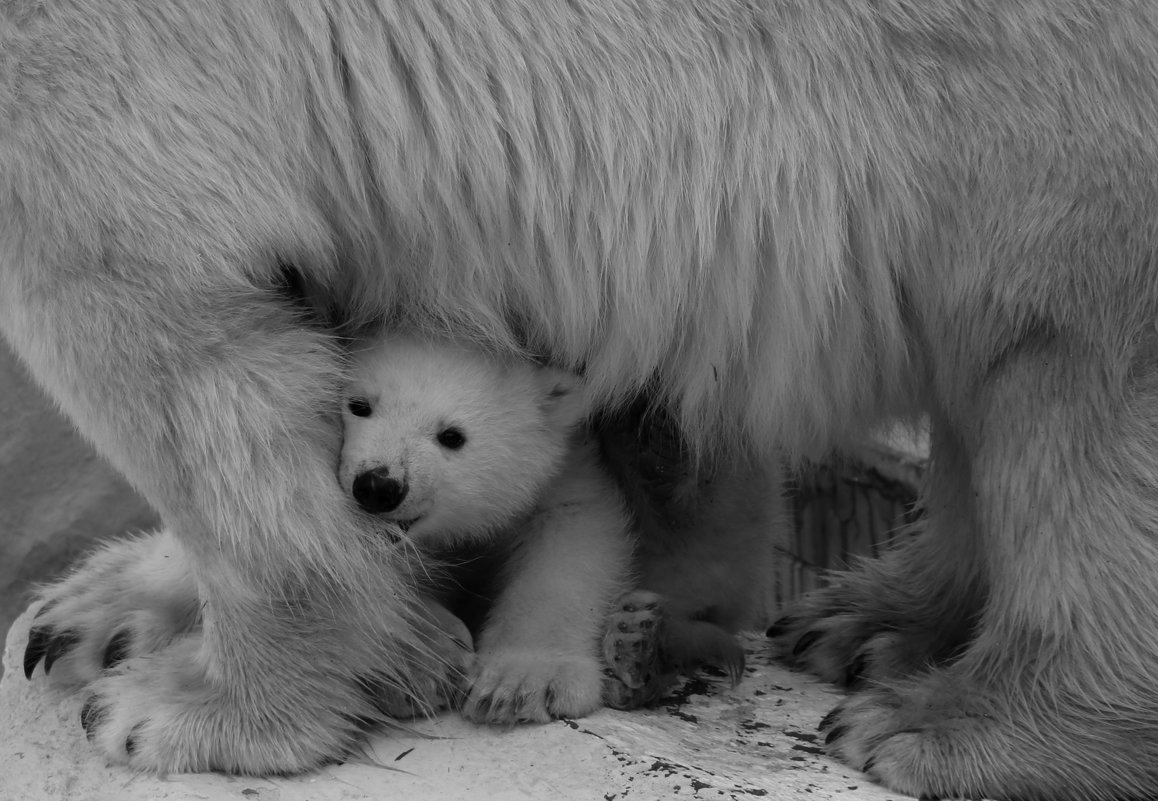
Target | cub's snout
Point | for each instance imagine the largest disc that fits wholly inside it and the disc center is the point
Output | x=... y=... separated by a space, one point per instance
x=377 y=491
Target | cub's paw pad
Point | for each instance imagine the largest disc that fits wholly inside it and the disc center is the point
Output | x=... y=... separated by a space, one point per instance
x=637 y=671
x=531 y=687
x=633 y=637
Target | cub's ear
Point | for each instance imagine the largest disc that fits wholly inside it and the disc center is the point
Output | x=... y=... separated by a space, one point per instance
x=562 y=399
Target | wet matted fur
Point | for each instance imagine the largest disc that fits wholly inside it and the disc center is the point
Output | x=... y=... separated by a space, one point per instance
x=784 y=219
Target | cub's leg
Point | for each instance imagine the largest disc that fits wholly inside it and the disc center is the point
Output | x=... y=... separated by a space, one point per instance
x=539 y=650
x=703 y=562
x=913 y=607
x=1053 y=697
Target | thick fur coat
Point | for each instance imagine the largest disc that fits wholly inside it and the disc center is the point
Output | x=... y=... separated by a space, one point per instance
x=778 y=219
x=461 y=448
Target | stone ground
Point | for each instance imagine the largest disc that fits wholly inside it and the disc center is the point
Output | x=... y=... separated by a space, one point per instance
x=706 y=741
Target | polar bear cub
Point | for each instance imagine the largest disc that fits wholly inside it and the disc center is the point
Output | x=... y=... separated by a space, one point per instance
x=457 y=445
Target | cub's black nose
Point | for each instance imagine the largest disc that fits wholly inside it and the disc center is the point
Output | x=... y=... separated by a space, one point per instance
x=376 y=491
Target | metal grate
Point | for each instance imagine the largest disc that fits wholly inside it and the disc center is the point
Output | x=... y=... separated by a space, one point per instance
x=844 y=509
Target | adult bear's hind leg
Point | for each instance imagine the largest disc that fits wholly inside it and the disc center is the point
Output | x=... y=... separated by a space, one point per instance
x=1054 y=696
x=912 y=607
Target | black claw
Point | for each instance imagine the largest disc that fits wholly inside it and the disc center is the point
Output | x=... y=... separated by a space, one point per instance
x=91 y=717
x=59 y=645
x=835 y=734
x=131 y=740
x=806 y=641
x=868 y=765
x=856 y=670
x=117 y=649
x=780 y=626
x=828 y=719
x=38 y=641
x=929 y=797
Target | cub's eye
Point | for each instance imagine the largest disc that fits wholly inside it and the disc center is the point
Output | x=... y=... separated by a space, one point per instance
x=359 y=407
x=451 y=438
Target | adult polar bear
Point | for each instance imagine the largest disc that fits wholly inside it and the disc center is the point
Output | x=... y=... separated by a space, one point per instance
x=781 y=219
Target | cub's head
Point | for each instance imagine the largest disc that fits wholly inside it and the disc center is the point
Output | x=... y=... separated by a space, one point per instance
x=449 y=441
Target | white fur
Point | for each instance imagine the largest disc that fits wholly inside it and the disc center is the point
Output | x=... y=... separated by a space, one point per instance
x=527 y=474
x=780 y=219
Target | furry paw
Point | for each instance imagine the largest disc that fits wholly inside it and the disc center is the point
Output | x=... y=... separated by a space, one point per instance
x=171 y=711
x=131 y=597
x=158 y=713
x=894 y=617
x=525 y=686
x=636 y=671
x=126 y=630
x=945 y=736
x=846 y=648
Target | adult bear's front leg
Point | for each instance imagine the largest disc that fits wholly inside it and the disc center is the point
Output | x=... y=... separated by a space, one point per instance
x=1054 y=695
x=220 y=404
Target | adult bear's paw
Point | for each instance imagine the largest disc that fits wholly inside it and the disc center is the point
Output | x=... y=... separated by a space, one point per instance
x=998 y=732
x=270 y=706
x=890 y=618
x=260 y=689
x=132 y=597
x=161 y=713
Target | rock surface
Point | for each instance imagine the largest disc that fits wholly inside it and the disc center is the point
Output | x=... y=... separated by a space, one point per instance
x=706 y=741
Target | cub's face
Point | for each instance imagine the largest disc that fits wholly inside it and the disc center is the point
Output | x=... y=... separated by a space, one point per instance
x=449 y=441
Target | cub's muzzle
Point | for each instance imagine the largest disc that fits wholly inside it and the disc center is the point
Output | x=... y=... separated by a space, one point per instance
x=377 y=491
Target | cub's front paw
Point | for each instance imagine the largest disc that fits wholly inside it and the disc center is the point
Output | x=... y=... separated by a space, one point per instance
x=528 y=686
x=130 y=598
